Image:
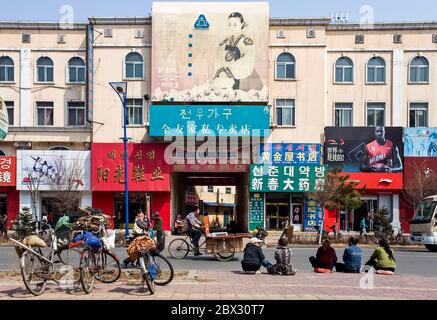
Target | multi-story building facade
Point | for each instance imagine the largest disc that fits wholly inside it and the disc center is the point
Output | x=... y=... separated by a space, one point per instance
x=319 y=75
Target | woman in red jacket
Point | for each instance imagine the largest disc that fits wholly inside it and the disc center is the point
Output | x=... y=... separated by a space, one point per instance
x=325 y=257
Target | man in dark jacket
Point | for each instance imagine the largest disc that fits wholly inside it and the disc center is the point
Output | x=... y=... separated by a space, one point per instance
x=254 y=257
x=157 y=227
x=351 y=258
x=325 y=257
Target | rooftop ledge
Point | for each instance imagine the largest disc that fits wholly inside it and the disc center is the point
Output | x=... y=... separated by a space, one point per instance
x=50 y=129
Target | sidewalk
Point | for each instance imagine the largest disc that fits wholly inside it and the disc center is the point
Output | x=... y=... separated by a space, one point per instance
x=212 y=285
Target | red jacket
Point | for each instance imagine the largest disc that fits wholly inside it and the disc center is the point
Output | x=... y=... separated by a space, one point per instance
x=326 y=257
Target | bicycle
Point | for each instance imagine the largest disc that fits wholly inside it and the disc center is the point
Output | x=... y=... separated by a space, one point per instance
x=98 y=263
x=148 y=270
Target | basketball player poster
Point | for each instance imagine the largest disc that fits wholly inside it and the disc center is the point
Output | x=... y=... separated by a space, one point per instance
x=364 y=149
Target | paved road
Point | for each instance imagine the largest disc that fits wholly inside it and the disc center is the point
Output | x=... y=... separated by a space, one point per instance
x=410 y=261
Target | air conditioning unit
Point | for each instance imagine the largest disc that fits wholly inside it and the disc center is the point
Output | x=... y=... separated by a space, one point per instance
x=139 y=33
x=107 y=33
x=434 y=38
x=280 y=33
x=359 y=38
x=397 y=38
x=25 y=38
x=311 y=33
x=61 y=38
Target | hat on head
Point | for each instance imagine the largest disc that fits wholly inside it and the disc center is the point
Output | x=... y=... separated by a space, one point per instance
x=255 y=240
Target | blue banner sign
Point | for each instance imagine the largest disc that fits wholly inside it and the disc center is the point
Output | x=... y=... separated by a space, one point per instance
x=290 y=153
x=313 y=214
x=209 y=120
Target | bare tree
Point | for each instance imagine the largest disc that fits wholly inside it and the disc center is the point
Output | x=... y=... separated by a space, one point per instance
x=33 y=186
x=66 y=182
x=421 y=183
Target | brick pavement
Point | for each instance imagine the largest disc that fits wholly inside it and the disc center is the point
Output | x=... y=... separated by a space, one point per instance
x=213 y=285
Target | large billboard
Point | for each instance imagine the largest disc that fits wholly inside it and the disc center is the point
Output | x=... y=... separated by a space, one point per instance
x=420 y=142
x=364 y=149
x=210 y=51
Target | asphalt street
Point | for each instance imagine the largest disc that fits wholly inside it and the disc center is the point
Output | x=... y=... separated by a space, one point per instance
x=409 y=261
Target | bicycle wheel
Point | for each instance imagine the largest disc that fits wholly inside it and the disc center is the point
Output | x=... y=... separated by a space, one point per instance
x=146 y=278
x=164 y=270
x=224 y=251
x=31 y=267
x=178 y=248
x=110 y=269
x=87 y=267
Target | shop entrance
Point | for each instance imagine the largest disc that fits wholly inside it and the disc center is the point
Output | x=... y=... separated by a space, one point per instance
x=137 y=201
x=367 y=209
x=222 y=197
x=283 y=206
x=3 y=204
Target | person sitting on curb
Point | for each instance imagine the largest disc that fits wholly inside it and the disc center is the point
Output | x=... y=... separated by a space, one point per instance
x=325 y=257
x=351 y=257
x=254 y=258
x=382 y=258
x=283 y=259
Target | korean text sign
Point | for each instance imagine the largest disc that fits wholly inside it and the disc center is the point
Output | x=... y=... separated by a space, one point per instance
x=7 y=171
x=290 y=153
x=283 y=178
x=209 y=120
x=147 y=169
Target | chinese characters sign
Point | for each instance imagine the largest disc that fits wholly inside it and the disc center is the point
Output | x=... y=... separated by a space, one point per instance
x=290 y=153
x=313 y=214
x=283 y=178
x=147 y=170
x=7 y=171
x=209 y=120
x=256 y=210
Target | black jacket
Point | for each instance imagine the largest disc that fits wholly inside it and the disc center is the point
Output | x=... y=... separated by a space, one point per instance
x=253 y=254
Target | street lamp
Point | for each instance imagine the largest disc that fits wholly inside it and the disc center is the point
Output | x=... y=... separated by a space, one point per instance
x=121 y=89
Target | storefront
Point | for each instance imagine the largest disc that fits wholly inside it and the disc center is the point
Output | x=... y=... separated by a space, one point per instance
x=372 y=157
x=53 y=181
x=149 y=181
x=9 y=196
x=286 y=174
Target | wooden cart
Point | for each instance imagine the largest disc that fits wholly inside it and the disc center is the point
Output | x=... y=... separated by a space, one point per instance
x=224 y=247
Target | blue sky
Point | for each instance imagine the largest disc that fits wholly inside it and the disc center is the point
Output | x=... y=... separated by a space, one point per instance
x=384 y=10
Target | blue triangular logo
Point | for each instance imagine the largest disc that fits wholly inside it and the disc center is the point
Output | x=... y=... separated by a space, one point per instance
x=201 y=23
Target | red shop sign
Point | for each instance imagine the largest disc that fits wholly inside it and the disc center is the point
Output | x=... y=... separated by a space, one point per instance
x=147 y=169
x=8 y=171
x=377 y=181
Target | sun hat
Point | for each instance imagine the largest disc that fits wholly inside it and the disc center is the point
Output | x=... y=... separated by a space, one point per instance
x=255 y=240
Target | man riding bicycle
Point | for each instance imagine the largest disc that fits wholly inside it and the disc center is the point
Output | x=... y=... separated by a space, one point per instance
x=193 y=229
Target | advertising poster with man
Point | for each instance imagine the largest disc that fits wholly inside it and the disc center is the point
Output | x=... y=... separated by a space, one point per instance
x=364 y=149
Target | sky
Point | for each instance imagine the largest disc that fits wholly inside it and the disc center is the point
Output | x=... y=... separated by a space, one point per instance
x=383 y=10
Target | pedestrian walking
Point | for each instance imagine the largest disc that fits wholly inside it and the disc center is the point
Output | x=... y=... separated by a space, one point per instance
x=283 y=259
x=157 y=227
x=351 y=258
x=325 y=257
x=254 y=257
x=363 y=226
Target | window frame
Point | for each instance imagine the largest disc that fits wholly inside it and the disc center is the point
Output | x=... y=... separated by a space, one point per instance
x=409 y=71
x=36 y=114
x=285 y=63
x=37 y=80
x=385 y=112
x=6 y=68
x=384 y=82
x=212 y=187
x=226 y=190
x=293 y=125
x=335 y=72
x=133 y=106
x=67 y=114
x=67 y=71
x=427 y=113
x=125 y=77
x=13 y=112
x=343 y=108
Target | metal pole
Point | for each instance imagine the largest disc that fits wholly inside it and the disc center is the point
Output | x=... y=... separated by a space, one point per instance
x=126 y=178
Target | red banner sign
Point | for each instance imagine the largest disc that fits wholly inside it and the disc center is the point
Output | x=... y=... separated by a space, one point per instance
x=377 y=181
x=147 y=170
x=7 y=171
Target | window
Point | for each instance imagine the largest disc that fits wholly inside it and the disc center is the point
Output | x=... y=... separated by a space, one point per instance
x=76 y=113
x=419 y=115
x=44 y=112
x=210 y=189
x=10 y=109
x=6 y=69
x=375 y=114
x=285 y=112
x=134 y=66
x=59 y=148
x=344 y=70
x=44 y=70
x=419 y=70
x=376 y=70
x=285 y=66
x=76 y=70
x=343 y=115
x=228 y=190
x=134 y=110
